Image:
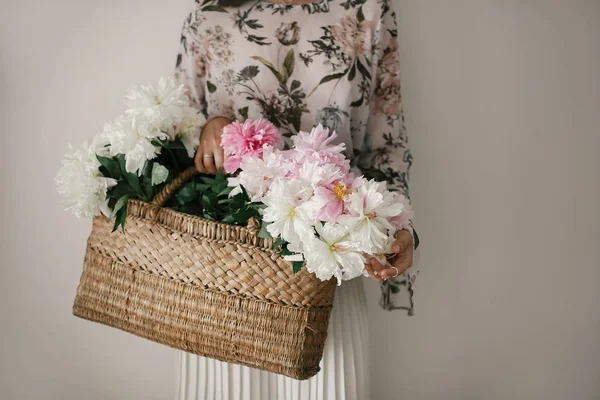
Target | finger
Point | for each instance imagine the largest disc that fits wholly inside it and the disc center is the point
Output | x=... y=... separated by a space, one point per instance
x=209 y=163
x=198 y=160
x=390 y=273
x=376 y=265
x=372 y=273
x=402 y=242
x=219 y=157
x=403 y=261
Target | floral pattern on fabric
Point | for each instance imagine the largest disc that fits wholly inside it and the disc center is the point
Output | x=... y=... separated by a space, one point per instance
x=329 y=62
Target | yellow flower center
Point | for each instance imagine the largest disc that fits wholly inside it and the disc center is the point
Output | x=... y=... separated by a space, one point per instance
x=335 y=247
x=340 y=190
x=292 y=213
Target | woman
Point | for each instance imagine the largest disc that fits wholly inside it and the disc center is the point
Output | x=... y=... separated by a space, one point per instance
x=313 y=61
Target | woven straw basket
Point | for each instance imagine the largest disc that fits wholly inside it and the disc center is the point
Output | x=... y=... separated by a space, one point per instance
x=208 y=288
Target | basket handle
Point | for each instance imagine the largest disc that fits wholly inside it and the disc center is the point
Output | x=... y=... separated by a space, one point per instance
x=184 y=176
x=167 y=191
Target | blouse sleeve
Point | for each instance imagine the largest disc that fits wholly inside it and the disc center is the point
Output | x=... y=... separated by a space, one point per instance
x=386 y=155
x=190 y=67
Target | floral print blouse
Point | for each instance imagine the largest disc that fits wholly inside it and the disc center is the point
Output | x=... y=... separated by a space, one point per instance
x=333 y=62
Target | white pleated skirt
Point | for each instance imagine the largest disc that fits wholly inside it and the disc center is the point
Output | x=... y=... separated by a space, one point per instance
x=344 y=371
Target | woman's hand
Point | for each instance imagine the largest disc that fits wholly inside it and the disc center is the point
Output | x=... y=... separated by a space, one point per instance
x=403 y=247
x=209 y=156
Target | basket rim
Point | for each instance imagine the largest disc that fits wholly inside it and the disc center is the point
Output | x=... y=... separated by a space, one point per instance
x=198 y=227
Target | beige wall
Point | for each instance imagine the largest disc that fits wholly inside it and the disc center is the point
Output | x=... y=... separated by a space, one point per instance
x=503 y=105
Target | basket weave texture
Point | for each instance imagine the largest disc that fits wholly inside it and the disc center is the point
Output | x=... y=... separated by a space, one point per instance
x=208 y=288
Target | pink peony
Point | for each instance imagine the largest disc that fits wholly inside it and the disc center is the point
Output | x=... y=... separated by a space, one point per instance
x=317 y=146
x=317 y=139
x=330 y=198
x=239 y=140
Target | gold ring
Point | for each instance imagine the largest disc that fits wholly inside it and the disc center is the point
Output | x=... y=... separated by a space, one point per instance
x=397 y=272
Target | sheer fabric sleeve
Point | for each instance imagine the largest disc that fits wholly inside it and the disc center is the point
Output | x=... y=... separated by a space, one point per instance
x=386 y=155
x=191 y=67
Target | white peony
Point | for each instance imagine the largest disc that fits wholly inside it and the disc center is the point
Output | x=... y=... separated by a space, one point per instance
x=333 y=254
x=369 y=208
x=162 y=105
x=132 y=136
x=189 y=128
x=380 y=254
x=79 y=180
x=288 y=220
x=258 y=173
x=314 y=175
x=101 y=145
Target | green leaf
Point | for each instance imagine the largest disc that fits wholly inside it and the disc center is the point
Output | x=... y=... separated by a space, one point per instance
x=122 y=202
x=111 y=165
x=220 y=181
x=264 y=233
x=211 y=87
x=209 y=217
x=360 y=16
x=358 y=102
x=295 y=85
x=278 y=243
x=362 y=69
x=332 y=77
x=244 y=215
x=121 y=189
x=395 y=289
x=207 y=179
x=218 y=187
x=244 y=193
x=191 y=208
x=277 y=74
x=209 y=201
x=238 y=201
x=131 y=178
x=257 y=204
x=352 y=72
x=214 y=8
x=285 y=252
x=288 y=63
x=228 y=219
x=120 y=219
x=297 y=266
x=186 y=194
x=225 y=191
x=243 y=112
x=373 y=173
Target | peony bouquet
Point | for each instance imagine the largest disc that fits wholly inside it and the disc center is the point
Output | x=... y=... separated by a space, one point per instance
x=317 y=211
x=135 y=154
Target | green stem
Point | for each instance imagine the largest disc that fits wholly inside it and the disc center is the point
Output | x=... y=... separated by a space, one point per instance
x=172 y=155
